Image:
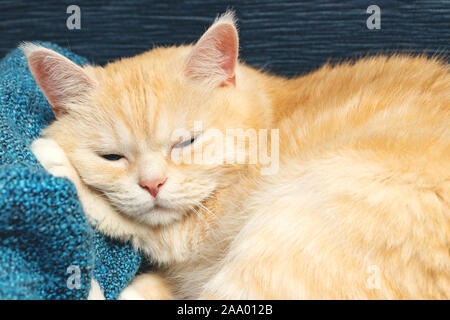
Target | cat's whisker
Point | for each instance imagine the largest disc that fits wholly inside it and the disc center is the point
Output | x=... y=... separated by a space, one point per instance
x=202 y=219
x=206 y=210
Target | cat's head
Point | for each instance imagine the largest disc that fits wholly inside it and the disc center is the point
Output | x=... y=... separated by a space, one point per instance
x=122 y=125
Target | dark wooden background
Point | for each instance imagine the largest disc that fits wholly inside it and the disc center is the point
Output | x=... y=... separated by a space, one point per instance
x=288 y=37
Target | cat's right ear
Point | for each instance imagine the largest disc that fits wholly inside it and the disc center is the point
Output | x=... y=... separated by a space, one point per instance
x=62 y=81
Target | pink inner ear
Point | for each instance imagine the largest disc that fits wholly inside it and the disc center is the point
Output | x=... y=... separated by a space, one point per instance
x=227 y=44
x=59 y=78
x=214 y=57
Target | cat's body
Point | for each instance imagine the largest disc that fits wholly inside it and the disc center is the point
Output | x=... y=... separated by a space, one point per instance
x=359 y=207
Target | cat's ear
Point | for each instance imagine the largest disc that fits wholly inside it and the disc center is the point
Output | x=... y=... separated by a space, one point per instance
x=62 y=81
x=214 y=56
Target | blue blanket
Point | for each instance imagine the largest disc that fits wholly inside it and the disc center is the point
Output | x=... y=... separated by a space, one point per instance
x=48 y=250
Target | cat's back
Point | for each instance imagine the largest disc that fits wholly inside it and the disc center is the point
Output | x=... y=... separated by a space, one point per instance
x=391 y=113
x=360 y=205
x=390 y=97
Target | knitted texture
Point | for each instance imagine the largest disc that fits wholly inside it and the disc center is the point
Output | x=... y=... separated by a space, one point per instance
x=48 y=249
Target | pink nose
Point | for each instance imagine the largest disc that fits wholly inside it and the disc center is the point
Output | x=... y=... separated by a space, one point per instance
x=153 y=185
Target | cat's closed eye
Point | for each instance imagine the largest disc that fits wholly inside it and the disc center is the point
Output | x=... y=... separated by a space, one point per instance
x=112 y=157
x=185 y=143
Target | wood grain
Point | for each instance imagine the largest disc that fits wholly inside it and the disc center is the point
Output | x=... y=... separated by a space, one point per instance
x=287 y=37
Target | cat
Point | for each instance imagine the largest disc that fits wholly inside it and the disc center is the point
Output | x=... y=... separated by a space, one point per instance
x=358 y=207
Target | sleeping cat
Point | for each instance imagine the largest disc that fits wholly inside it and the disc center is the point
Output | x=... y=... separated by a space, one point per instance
x=359 y=207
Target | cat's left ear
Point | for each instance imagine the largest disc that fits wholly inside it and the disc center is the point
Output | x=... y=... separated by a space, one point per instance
x=214 y=56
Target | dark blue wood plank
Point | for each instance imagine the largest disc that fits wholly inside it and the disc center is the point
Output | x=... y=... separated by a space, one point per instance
x=287 y=37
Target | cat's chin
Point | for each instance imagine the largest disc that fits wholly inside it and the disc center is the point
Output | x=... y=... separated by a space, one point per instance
x=160 y=216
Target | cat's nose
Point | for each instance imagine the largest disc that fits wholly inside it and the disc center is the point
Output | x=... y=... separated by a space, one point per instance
x=153 y=185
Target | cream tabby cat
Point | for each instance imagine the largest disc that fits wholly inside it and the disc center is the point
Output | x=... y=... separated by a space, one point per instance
x=360 y=205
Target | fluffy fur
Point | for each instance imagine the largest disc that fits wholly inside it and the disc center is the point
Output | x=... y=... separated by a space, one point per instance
x=359 y=208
